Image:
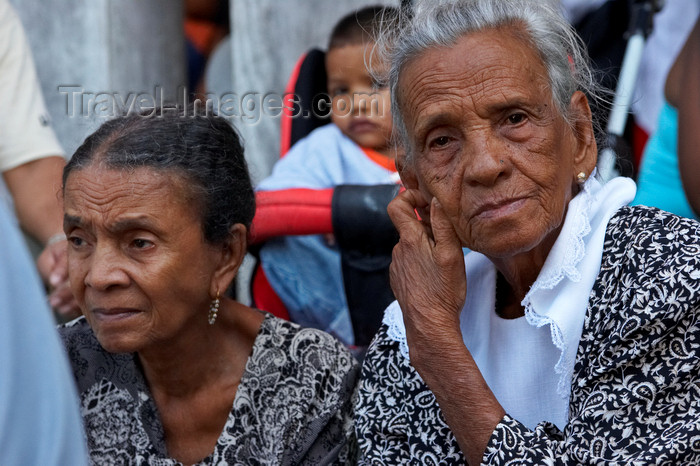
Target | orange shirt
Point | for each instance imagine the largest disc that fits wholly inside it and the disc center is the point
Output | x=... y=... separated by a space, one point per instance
x=380 y=159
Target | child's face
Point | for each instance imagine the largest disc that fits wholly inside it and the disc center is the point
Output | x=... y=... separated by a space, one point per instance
x=361 y=109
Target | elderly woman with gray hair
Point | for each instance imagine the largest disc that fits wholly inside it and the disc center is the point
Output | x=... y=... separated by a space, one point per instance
x=171 y=370
x=571 y=333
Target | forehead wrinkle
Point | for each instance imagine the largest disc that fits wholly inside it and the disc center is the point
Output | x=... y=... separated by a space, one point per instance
x=441 y=93
x=437 y=69
x=97 y=192
x=136 y=185
x=495 y=78
x=483 y=82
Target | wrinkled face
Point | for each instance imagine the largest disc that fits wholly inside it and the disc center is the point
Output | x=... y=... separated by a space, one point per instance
x=138 y=263
x=489 y=143
x=361 y=109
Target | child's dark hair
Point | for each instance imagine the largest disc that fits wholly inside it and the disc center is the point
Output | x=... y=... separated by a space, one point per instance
x=363 y=26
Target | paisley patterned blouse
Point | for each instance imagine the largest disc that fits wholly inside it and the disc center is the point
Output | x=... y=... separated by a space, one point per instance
x=635 y=393
x=292 y=405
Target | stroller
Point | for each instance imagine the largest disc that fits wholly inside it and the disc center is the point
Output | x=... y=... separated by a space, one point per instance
x=344 y=210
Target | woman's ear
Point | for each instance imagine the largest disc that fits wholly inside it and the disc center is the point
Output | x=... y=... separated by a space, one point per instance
x=232 y=253
x=586 y=152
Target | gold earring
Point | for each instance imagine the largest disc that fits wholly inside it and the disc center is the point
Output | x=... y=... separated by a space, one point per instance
x=581 y=177
x=214 y=309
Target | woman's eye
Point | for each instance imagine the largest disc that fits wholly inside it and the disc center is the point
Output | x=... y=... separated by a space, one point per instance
x=140 y=243
x=440 y=141
x=76 y=241
x=339 y=91
x=516 y=118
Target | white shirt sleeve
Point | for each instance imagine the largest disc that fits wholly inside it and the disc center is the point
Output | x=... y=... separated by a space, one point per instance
x=25 y=126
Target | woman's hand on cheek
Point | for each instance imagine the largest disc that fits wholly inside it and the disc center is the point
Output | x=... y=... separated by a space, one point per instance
x=427 y=271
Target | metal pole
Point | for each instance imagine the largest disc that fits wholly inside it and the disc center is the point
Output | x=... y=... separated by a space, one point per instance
x=640 y=28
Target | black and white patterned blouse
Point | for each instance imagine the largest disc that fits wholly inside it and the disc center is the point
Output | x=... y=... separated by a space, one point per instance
x=635 y=393
x=292 y=405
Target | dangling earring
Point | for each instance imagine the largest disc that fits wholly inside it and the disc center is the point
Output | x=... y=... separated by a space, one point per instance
x=581 y=177
x=214 y=309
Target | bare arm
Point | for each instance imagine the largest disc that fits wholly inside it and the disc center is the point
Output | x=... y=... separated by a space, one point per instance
x=683 y=92
x=35 y=189
x=429 y=281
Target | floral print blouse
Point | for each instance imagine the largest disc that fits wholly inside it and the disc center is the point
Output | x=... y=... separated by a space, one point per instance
x=292 y=405
x=635 y=392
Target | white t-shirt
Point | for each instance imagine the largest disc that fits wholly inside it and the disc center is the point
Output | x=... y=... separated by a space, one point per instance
x=25 y=127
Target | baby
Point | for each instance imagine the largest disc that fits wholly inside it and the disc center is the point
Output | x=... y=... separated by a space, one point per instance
x=355 y=148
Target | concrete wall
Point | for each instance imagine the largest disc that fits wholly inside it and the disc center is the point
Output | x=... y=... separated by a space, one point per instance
x=88 y=50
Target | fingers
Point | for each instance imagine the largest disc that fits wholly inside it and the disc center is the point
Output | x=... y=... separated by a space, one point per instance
x=45 y=263
x=62 y=301
x=428 y=256
x=53 y=267
x=444 y=233
x=52 y=264
x=59 y=273
x=402 y=211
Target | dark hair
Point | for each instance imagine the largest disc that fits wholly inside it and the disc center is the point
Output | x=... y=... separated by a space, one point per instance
x=363 y=25
x=204 y=150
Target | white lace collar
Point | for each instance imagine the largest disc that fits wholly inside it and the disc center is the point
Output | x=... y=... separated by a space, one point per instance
x=559 y=296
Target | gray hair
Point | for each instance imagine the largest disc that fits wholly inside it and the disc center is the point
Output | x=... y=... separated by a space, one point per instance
x=441 y=24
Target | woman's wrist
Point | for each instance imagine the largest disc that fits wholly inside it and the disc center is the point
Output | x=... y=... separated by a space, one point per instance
x=430 y=344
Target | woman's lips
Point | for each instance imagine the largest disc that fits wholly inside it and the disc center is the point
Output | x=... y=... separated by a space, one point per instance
x=500 y=208
x=113 y=314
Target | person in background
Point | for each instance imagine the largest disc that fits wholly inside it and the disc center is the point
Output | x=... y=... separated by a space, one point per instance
x=206 y=25
x=604 y=25
x=570 y=334
x=39 y=422
x=169 y=369
x=356 y=148
x=683 y=91
x=668 y=178
x=31 y=159
x=671 y=26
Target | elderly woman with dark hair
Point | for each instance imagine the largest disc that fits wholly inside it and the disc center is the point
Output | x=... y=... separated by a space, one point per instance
x=571 y=333
x=169 y=369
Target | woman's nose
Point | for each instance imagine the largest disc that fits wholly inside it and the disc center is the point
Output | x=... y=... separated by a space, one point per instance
x=105 y=270
x=487 y=161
